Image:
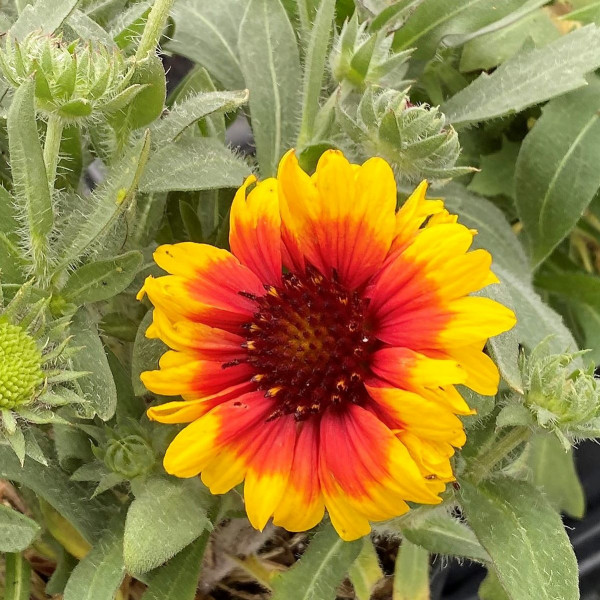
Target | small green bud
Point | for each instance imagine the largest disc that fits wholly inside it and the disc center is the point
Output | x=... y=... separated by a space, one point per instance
x=129 y=456
x=20 y=367
x=364 y=59
x=562 y=398
x=73 y=81
x=415 y=140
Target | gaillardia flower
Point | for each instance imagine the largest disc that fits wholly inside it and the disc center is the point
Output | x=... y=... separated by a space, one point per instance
x=318 y=359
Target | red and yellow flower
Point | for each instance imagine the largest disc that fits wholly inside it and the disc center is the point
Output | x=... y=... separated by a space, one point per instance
x=318 y=359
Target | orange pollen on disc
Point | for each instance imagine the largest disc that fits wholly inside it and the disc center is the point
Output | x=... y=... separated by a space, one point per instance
x=309 y=344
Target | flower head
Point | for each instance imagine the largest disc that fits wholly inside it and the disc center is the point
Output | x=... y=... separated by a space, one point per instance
x=330 y=384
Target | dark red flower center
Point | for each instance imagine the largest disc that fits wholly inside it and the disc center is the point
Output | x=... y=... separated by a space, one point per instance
x=310 y=344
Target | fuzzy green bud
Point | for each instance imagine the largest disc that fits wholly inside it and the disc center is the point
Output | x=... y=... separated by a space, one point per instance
x=129 y=456
x=562 y=398
x=415 y=140
x=20 y=367
x=362 y=59
x=73 y=81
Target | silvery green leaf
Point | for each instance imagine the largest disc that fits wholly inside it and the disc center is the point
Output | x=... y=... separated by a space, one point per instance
x=18 y=531
x=44 y=16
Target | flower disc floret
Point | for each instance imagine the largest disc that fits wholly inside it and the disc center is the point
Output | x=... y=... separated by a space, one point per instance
x=318 y=359
x=20 y=367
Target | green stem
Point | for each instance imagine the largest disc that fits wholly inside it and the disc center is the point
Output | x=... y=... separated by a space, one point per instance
x=491 y=456
x=154 y=28
x=54 y=130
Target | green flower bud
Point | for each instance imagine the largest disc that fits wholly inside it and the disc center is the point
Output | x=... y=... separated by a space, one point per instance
x=415 y=140
x=21 y=372
x=129 y=456
x=363 y=59
x=562 y=398
x=72 y=81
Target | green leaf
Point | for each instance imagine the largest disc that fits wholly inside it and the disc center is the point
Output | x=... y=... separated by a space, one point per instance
x=128 y=405
x=590 y=13
x=100 y=573
x=271 y=68
x=178 y=579
x=497 y=175
x=18 y=531
x=433 y=20
x=440 y=533
x=553 y=470
x=314 y=69
x=524 y=537
x=98 y=388
x=148 y=104
x=492 y=49
x=52 y=484
x=411 y=575
x=207 y=33
x=32 y=193
x=44 y=17
x=17 y=577
x=64 y=567
x=179 y=506
x=491 y=588
x=532 y=76
x=320 y=570
x=146 y=353
x=191 y=222
x=193 y=164
x=84 y=230
x=102 y=279
x=192 y=109
x=365 y=571
x=556 y=176
x=87 y=29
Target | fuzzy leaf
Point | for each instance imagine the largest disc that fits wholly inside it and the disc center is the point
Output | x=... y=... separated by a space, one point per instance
x=491 y=588
x=17 y=577
x=271 y=68
x=497 y=175
x=18 y=531
x=87 y=29
x=166 y=516
x=365 y=571
x=320 y=570
x=98 y=388
x=178 y=579
x=524 y=537
x=29 y=175
x=192 y=109
x=193 y=164
x=553 y=470
x=434 y=20
x=556 y=176
x=101 y=280
x=411 y=575
x=43 y=16
x=146 y=353
x=207 y=33
x=99 y=575
x=532 y=76
x=107 y=203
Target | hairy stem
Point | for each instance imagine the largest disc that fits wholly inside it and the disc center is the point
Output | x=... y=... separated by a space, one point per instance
x=154 y=27
x=54 y=130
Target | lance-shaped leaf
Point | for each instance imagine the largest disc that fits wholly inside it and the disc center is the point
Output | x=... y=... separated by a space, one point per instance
x=18 y=531
x=365 y=571
x=530 y=77
x=411 y=575
x=524 y=537
x=102 y=279
x=32 y=193
x=43 y=16
x=557 y=174
x=320 y=570
x=271 y=68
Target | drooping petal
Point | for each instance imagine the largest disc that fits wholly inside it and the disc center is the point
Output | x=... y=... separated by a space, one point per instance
x=341 y=218
x=255 y=229
x=204 y=287
x=302 y=505
x=202 y=341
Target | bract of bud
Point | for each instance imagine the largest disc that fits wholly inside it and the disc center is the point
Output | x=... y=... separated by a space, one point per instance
x=562 y=397
x=415 y=140
x=129 y=456
x=364 y=59
x=74 y=80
